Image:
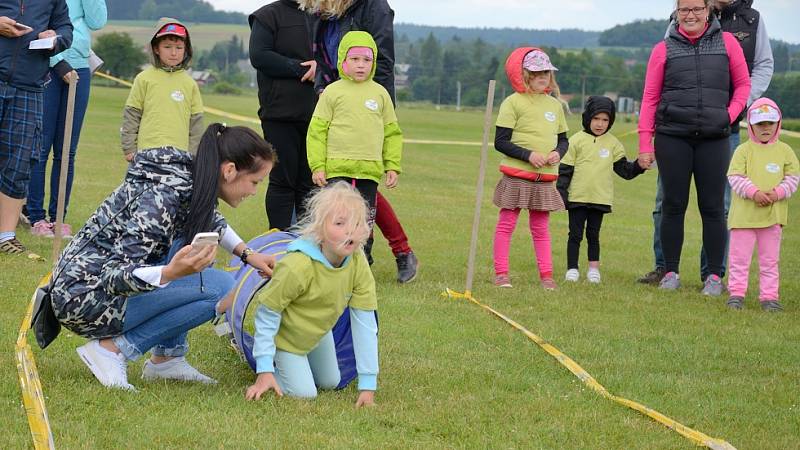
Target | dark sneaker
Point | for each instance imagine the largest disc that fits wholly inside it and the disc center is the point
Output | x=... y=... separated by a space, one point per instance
x=771 y=306
x=653 y=277
x=712 y=286
x=12 y=246
x=406 y=267
x=735 y=302
x=670 y=282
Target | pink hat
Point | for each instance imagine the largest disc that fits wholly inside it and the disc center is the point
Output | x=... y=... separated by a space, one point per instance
x=537 y=61
x=764 y=113
x=360 y=51
x=173 y=29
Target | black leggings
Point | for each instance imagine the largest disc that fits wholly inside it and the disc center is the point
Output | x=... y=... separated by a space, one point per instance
x=707 y=160
x=592 y=219
x=290 y=179
x=368 y=190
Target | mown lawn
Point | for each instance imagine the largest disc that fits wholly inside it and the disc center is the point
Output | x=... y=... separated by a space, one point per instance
x=451 y=375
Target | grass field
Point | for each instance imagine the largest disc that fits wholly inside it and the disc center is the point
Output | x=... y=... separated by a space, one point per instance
x=451 y=375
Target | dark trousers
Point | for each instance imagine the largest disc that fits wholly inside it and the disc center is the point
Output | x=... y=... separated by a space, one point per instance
x=679 y=160
x=579 y=218
x=290 y=179
x=368 y=190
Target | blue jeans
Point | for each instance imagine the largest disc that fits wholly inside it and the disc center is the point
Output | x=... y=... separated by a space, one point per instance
x=161 y=319
x=55 y=110
x=299 y=375
x=734 y=139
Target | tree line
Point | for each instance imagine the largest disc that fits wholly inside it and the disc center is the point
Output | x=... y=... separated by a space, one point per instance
x=186 y=10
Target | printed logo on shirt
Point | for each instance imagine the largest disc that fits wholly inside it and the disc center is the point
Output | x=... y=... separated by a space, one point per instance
x=177 y=96
x=371 y=105
x=604 y=153
x=550 y=116
x=773 y=168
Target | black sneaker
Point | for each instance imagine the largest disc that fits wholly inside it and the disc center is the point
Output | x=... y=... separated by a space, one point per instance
x=406 y=267
x=735 y=302
x=653 y=277
x=771 y=306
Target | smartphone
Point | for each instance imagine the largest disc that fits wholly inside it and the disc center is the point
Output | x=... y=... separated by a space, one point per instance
x=202 y=240
x=22 y=26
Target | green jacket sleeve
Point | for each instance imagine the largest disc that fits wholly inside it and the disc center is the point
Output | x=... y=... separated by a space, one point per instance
x=317 y=143
x=392 y=147
x=195 y=131
x=129 y=132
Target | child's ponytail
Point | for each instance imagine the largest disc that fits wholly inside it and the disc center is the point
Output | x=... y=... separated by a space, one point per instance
x=240 y=145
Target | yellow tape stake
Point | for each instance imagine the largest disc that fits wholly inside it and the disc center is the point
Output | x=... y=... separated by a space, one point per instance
x=689 y=433
x=31 y=386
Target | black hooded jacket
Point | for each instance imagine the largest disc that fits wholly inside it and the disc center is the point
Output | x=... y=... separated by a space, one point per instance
x=622 y=167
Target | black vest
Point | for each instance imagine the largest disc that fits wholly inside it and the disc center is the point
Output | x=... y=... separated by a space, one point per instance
x=696 y=89
x=741 y=20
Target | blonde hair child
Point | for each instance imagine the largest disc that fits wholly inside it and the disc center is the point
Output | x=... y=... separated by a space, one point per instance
x=532 y=135
x=324 y=272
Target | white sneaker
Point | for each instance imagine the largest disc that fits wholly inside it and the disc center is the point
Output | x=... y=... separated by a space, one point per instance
x=572 y=275
x=593 y=275
x=174 y=369
x=108 y=367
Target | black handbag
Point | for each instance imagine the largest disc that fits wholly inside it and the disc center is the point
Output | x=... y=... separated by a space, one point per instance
x=44 y=323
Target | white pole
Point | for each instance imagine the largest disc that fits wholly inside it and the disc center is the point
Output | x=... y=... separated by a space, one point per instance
x=458 y=96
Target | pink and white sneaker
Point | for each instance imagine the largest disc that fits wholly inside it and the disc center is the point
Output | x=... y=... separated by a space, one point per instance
x=66 y=230
x=42 y=228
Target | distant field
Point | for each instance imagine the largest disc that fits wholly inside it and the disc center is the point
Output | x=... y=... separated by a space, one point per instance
x=204 y=35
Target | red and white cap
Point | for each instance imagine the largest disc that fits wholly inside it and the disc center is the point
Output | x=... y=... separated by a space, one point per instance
x=173 y=29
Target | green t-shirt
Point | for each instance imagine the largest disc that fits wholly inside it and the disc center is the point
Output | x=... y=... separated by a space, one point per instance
x=311 y=296
x=593 y=159
x=167 y=101
x=765 y=166
x=536 y=121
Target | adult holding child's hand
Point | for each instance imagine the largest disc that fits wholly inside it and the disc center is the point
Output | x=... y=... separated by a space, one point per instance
x=127 y=281
x=696 y=85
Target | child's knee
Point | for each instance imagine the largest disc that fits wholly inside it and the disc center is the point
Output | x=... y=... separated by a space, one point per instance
x=329 y=381
x=307 y=392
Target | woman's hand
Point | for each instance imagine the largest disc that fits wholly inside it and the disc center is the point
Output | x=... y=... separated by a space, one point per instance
x=553 y=158
x=391 y=179
x=312 y=70
x=69 y=74
x=185 y=263
x=263 y=263
x=762 y=199
x=264 y=383
x=537 y=160
x=319 y=178
x=365 y=398
x=645 y=160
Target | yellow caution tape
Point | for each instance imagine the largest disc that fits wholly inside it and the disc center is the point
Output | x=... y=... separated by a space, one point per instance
x=30 y=385
x=693 y=435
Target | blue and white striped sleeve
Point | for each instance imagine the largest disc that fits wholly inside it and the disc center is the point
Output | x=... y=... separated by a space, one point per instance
x=267 y=324
x=364 y=328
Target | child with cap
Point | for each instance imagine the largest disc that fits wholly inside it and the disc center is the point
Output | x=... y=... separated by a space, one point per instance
x=532 y=134
x=586 y=185
x=763 y=174
x=354 y=135
x=164 y=108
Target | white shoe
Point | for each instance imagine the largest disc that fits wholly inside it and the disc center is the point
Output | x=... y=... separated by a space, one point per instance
x=593 y=275
x=572 y=275
x=108 y=367
x=174 y=369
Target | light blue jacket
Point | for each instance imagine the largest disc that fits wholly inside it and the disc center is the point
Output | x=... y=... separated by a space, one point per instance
x=86 y=16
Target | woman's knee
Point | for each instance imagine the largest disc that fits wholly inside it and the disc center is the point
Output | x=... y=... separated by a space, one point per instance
x=217 y=283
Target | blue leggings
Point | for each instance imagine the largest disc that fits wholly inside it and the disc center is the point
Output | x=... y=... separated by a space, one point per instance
x=299 y=375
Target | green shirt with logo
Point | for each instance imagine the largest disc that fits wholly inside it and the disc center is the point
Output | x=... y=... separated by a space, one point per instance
x=593 y=158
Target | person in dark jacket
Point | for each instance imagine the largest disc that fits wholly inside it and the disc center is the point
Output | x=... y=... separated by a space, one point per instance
x=128 y=282
x=281 y=52
x=376 y=17
x=22 y=78
x=696 y=85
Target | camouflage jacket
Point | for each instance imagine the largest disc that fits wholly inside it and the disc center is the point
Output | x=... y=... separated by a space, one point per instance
x=134 y=227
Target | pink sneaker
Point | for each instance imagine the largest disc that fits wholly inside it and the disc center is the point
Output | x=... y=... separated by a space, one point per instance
x=549 y=284
x=66 y=230
x=502 y=280
x=42 y=228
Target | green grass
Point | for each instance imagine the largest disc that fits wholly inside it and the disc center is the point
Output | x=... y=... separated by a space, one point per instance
x=204 y=35
x=452 y=376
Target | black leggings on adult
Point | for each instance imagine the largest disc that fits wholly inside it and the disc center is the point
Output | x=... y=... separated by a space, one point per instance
x=290 y=180
x=707 y=160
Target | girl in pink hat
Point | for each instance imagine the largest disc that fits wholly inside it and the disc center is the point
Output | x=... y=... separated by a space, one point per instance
x=532 y=134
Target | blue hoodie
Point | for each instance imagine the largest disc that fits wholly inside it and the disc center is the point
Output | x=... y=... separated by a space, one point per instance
x=24 y=68
x=86 y=16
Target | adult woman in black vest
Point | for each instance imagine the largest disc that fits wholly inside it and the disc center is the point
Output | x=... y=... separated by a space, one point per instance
x=281 y=52
x=696 y=85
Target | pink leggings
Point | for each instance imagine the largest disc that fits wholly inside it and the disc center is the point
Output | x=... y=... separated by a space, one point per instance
x=743 y=240
x=540 y=232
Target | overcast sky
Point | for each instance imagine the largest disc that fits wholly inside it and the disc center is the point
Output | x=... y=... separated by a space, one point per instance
x=780 y=16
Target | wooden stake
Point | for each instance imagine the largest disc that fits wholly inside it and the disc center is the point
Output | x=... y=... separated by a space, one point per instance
x=62 y=180
x=473 y=245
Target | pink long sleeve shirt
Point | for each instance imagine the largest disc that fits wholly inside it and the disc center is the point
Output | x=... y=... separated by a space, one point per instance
x=654 y=81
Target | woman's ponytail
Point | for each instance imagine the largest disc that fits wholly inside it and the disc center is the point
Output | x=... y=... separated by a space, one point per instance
x=240 y=145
